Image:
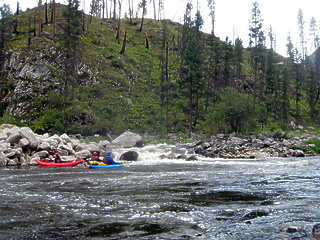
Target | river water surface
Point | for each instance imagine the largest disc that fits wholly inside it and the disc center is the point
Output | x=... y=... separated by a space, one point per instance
x=163 y=199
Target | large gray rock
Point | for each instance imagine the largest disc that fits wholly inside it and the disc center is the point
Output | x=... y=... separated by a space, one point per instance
x=28 y=134
x=92 y=147
x=126 y=140
x=83 y=154
x=23 y=143
x=14 y=135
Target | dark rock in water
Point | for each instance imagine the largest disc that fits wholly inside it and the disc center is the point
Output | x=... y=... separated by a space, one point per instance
x=254 y=214
x=316 y=231
x=129 y=156
x=291 y=229
x=192 y=158
x=214 y=197
x=267 y=202
x=171 y=156
x=182 y=156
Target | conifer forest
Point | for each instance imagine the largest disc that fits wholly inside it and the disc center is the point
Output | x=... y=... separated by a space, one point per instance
x=111 y=69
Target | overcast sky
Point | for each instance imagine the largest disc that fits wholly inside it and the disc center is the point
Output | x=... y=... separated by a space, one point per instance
x=232 y=16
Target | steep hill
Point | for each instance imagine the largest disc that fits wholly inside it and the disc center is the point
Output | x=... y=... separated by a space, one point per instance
x=90 y=78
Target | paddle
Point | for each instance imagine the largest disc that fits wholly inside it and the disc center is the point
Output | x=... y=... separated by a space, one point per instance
x=126 y=164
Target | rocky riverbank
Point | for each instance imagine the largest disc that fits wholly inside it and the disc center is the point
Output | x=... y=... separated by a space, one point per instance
x=21 y=146
x=256 y=146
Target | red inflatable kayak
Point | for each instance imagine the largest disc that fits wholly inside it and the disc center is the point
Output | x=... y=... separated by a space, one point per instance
x=63 y=164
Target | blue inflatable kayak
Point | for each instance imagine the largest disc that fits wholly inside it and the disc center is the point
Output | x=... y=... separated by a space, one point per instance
x=106 y=166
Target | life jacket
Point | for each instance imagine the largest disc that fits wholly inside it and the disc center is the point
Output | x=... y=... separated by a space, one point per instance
x=105 y=160
x=57 y=159
x=95 y=163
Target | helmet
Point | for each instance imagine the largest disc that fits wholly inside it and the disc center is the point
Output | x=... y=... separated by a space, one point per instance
x=94 y=153
x=57 y=154
x=109 y=153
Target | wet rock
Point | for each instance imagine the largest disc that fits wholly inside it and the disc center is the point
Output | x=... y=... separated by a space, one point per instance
x=182 y=156
x=254 y=214
x=192 y=158
x=316 y=231
x=129 y=156
x=291 y=229
x=171 y=156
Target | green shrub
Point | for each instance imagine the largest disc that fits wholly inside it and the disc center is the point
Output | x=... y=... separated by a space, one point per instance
x=316 y=147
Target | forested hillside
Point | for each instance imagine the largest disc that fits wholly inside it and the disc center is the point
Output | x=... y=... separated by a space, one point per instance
x=64 y=71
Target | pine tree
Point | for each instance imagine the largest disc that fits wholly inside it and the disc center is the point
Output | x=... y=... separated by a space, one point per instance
x=257 y=50
x=256 y=33
x=212 y=14
x=5 y=12
x=71 y=47
x=313 y=34
x=301 y=28
x=191 y=69
x=238 y=58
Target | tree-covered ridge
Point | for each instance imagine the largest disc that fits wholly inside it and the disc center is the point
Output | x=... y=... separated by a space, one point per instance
x=79 y=73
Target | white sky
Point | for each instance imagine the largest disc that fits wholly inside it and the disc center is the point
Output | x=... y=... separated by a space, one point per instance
x=232 y=16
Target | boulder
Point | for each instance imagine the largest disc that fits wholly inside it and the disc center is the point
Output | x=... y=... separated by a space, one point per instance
x=28 y=134
x=3 y=159
x=126 y=140
x=23 y=161
x=13 y=162
x=171 y=155
x=44 y=146
x=192 y=158
x=104 y=143
x=14 y=136
x=34 y=145
x=84 y=154
x=68 y=148
x=43 y=154
x=92 y=147
x=3 y=135
x=129 y=156
x=23 y=143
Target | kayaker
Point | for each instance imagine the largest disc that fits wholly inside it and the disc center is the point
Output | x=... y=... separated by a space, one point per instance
x=57 y=158
x=95 y=157
x=108 y=159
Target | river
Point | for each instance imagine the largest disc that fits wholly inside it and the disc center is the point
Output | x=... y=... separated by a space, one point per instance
x=163 y=199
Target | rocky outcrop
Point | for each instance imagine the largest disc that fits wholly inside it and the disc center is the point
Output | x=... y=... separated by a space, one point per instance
x=21 y=146
x=255 y=146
